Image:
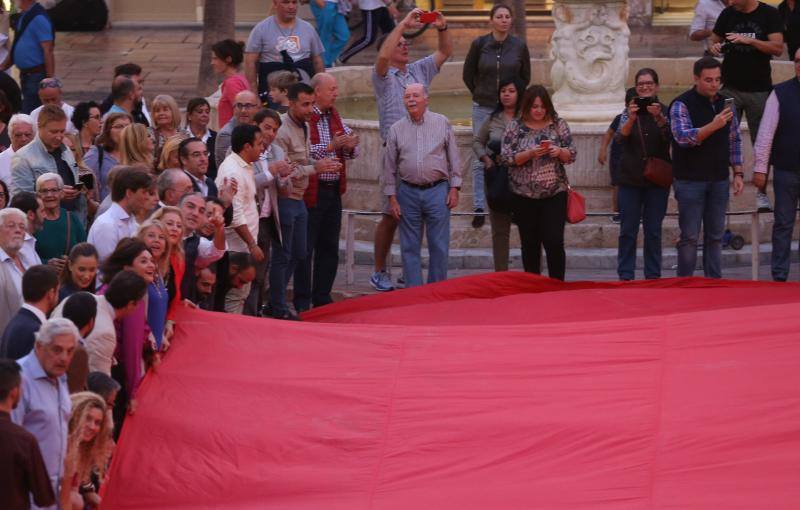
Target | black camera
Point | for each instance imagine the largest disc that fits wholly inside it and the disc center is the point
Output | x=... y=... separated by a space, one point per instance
x=643 y=103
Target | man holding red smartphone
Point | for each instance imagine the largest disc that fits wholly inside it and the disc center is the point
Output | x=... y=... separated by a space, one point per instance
x=391 y=75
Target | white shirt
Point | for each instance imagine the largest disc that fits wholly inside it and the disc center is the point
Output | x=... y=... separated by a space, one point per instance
x=68 y=110
x=207 y=253
x=5 y=169
x=204 y=138
x=370 y=5
x=35 y=311
x=266 y=206
x=245 y=210
x=13 y=270
x=706 y=13
x=102 y=341
x=109 y=228
x=28 y=251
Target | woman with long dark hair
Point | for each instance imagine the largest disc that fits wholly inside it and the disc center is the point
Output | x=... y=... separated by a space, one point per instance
x=536 y=147
x=643 y=132
x=226 y=60
x=487 y=145
x=492 y=58
x=80 y=271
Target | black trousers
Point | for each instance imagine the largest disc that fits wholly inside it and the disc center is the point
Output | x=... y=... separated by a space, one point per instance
x=374 y=20
x=541 y=222
x=314 y=276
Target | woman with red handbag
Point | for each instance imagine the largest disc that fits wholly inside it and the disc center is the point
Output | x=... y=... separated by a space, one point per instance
x=645 y=138
x=536 y=147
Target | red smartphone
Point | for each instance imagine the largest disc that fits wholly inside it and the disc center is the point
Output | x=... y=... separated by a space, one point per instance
x=428 y=17
x=545 y=144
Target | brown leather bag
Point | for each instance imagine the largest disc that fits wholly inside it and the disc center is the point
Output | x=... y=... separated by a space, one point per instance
x=656 y=170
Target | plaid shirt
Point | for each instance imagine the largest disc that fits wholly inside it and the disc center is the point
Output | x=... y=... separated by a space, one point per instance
x=685 y=134
x=324 y=149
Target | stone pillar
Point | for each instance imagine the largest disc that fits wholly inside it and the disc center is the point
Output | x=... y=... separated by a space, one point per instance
x=590 y=52
x=640 y=13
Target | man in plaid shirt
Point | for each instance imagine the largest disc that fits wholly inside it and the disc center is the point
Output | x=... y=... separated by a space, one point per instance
x=330 y=139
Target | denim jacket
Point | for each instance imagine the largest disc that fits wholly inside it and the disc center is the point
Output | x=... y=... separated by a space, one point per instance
x=32 y=161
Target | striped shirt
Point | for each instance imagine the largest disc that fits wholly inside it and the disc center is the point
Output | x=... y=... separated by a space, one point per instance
x=685 y=134
x=421 y=153
x=389 y=89
x=324 y=149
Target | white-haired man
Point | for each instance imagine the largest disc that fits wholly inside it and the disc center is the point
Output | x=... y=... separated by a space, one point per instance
x=22 y=130
x=13 y=264
x=422 y=178
x=45 y=407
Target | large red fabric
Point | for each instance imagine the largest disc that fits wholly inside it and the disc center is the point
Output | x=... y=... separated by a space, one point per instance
x=501 y=391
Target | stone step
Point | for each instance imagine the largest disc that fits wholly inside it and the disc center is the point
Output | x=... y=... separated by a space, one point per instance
x=577 y=258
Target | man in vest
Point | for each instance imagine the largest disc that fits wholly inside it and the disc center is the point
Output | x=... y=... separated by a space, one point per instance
x=777 y=144
x=199 y=251
x=331 y=139
x=706 y=142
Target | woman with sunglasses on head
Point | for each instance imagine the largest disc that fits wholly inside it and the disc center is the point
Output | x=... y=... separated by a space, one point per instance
x=536 y=147
x=198 y=117
x=105 y=155
x=492 y=58
x=643 y=132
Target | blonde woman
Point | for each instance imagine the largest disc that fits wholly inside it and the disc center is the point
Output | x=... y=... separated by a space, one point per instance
x=169 y=153
x=172 y=219
x=136 y=146
x=88 y=451
x=154 y=235
x=166 y=121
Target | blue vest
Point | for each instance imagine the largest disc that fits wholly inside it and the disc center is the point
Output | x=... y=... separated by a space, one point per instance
x=786 y=142
x=709 y=161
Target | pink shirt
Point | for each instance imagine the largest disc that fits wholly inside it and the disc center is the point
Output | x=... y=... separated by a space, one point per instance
x=230 y=87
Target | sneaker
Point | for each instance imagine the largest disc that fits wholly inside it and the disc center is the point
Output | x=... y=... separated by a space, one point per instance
x=288 y=316
x=380 y=281
x=762 y=202
x=615 y=218
x=401 y=281
x=478 y=221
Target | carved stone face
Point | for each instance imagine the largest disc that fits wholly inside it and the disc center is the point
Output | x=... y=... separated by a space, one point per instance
x=595 y=43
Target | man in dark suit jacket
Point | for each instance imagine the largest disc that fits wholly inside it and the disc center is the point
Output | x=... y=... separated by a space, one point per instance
x=40 y=295
x=193 y=156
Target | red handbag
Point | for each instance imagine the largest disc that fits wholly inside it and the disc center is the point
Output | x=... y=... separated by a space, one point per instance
x=576 y=206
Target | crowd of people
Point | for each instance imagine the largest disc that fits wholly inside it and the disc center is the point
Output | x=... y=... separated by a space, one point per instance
x=116 y=213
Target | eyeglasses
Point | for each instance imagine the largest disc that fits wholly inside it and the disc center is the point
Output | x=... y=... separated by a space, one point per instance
x=50 y=191
x=50 y=83
x=243 y=106
x=643 y=84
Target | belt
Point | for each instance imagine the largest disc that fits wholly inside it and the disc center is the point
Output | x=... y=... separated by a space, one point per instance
x=33 y=70
x=428 y=185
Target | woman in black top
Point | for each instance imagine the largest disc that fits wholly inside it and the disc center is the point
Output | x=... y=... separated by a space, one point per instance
x=492 y=58
x=643 y=132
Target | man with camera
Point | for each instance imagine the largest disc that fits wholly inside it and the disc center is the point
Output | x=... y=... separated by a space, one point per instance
x=748 y=33
x=706 y=142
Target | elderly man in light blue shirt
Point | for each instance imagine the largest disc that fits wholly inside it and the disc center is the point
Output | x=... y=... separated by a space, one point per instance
x=45 y=405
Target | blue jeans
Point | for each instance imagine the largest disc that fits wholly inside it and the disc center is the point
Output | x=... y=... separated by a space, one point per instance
x=324 y=226
x=787 y=195
x=479 y=115
x=286 y=255
x=701 y=203
x=333 y=30
x=648 y=204
x=424 y=211
x=29 y=84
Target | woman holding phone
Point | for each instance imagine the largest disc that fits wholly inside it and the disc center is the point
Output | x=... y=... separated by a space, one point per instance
x=536 y=147
x=643 y=132
x=492 y=58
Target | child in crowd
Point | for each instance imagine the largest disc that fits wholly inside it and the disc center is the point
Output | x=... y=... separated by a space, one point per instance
x=613 y=161
x=279 y=83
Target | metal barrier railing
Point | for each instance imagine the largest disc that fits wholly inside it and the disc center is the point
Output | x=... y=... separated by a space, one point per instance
x=350 y=218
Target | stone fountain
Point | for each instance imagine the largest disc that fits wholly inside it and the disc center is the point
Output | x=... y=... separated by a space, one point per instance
x=590 y=59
